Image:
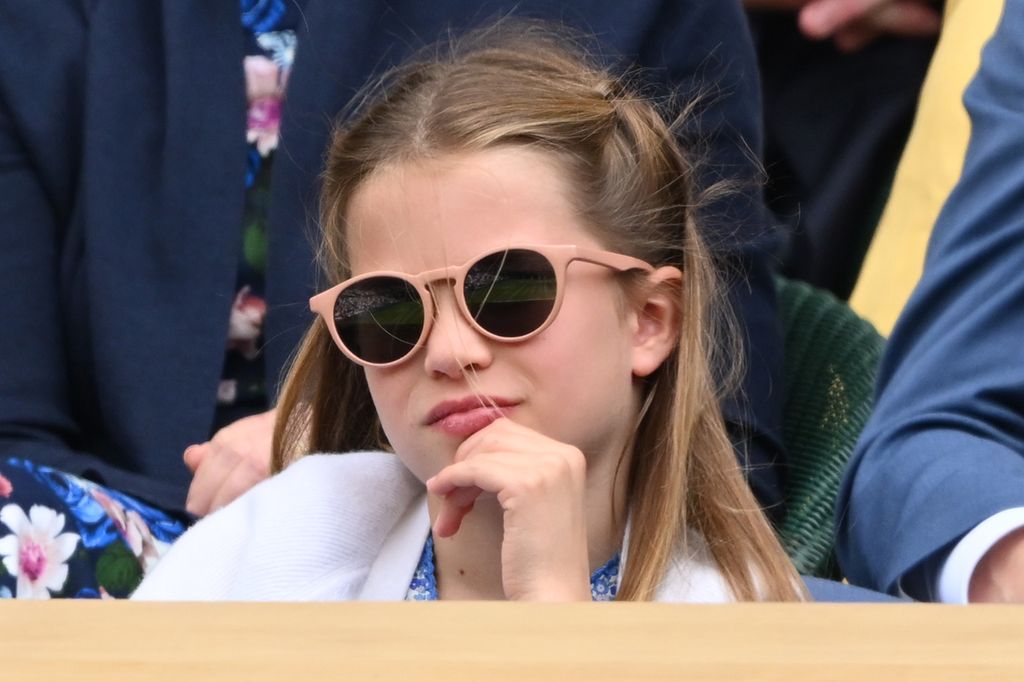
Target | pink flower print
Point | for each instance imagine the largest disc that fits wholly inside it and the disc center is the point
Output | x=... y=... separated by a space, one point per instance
x=246 y=323
x=265 y=82
x=133 y=529
x=264 y=124
x=36 y=551
x=5 y=487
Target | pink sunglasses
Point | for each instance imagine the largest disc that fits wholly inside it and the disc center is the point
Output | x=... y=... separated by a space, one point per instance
x=380 y=319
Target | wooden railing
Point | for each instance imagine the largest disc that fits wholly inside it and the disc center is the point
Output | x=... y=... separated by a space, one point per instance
x=111 y=641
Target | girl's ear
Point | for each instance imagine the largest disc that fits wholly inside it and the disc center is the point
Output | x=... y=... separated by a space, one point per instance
x=656 y=320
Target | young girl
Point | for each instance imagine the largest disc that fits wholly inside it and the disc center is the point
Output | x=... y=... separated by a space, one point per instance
x=517 y=357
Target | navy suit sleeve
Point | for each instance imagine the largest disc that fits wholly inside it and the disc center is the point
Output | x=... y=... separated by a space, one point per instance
x=944 y=448
x=41 y=75
x=36 y=198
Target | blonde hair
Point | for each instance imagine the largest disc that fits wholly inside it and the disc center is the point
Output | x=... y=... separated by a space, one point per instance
x=527 y=85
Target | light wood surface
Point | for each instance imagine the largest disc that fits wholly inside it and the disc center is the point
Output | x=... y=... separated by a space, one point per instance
x=114 y=641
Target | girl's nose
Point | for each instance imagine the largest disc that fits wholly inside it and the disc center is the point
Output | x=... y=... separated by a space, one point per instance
x=454 y=345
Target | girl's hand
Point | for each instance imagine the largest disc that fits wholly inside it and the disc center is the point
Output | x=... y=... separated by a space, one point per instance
x=539 y=483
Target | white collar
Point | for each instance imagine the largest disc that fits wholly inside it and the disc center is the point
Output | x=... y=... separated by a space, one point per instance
x=690 y=577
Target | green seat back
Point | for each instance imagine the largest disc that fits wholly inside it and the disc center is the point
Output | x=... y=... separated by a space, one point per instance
x=831 y=358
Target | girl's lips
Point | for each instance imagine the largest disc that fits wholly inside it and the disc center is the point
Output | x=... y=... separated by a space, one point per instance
x=466 y=416
x=466 y=423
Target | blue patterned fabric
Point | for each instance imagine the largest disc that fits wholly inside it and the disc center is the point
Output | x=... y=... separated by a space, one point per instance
x=260 y=16
x=604 y=583
x=63 y=536
x=424 y=581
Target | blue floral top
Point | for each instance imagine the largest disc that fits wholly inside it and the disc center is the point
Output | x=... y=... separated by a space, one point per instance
x=604 y=583
x=270 y=39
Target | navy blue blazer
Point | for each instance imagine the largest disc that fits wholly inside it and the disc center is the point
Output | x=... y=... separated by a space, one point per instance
x=945 y=447
x=122 y=163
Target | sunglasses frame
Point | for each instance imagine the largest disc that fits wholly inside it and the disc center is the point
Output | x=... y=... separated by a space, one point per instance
x=558 y=256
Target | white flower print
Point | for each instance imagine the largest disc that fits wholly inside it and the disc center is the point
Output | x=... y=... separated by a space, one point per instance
x=246 y=323
x=280 y=45
x=36 y=552
x=227 y=392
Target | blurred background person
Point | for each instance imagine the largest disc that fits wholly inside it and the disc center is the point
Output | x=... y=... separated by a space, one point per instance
x=841 y=80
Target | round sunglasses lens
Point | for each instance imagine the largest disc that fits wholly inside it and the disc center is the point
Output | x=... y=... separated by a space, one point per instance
x=379 y=319
x=511 y=293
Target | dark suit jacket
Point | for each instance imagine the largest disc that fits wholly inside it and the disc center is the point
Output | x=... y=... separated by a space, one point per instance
x=835 y=125
x=944 y=449
x=122 y=161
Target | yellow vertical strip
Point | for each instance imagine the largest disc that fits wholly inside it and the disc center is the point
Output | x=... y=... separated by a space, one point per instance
x=930 y=165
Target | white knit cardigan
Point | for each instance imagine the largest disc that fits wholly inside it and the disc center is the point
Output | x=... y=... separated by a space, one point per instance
x=339 y=527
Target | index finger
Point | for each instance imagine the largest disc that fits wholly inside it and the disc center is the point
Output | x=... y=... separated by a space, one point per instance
x=472 y=443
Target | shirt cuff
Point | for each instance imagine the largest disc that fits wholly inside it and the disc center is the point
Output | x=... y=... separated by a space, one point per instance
x=955 y=574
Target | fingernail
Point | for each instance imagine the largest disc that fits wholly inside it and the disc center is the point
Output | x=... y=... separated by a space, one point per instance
x=189 y=449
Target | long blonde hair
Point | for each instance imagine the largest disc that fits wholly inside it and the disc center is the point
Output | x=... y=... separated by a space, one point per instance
x=523 y=84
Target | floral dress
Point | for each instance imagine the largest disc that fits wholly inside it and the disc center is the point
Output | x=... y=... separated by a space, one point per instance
x=64 y=536
x=74 y=538
x=271 y=43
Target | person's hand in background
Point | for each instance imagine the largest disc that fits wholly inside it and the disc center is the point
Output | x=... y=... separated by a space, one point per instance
x=234 y=460
x=852 y=24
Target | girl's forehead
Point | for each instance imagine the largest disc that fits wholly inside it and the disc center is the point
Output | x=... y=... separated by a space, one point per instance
x=430 y=213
